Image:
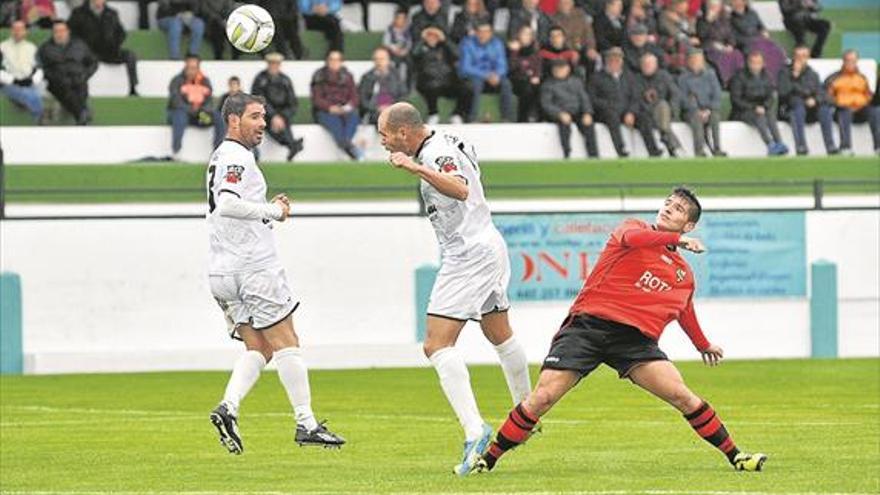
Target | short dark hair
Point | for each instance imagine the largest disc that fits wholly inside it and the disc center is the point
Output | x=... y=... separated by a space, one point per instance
x=191 y=56
x=235 y=104
x=483 y=22
x=696 y=209
x=556 y=27
x=235 y=78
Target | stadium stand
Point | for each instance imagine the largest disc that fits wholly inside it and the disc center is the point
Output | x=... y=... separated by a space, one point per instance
x=116 y=117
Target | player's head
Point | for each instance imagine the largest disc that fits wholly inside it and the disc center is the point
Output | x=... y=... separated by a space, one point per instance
x=245 y=117
x=400 y=127
x=680 y=212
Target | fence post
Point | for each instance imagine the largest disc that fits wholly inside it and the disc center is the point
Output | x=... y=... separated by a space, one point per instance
x=823 y=309
x=11 y=356
x=425 y=276
x=818 y=191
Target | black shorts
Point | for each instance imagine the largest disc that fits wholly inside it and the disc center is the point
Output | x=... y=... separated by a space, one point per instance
x=585 y=341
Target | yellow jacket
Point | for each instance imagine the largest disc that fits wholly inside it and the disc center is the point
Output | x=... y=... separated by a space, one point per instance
x=849 y=89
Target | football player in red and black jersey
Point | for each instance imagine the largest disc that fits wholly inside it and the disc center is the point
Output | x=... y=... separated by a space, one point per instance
x=639 y=285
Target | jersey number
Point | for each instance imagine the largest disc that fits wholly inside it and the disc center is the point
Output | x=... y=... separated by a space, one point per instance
x=211 y=203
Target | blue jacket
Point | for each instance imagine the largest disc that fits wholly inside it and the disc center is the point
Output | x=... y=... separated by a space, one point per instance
x=333 y=6
x=477 y=61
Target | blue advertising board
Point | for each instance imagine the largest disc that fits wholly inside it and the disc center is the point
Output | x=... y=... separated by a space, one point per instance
x=752 y=254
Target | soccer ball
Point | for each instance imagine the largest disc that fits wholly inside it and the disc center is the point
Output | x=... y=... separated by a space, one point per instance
x=250 y=28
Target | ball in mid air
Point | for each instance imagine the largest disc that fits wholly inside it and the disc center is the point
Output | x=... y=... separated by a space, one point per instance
x=250 y=28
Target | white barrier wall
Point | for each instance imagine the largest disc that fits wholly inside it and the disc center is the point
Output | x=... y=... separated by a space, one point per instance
x=121 y=295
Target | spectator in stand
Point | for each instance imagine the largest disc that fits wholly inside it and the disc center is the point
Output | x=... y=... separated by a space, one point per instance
x=190 y=102
x=678 y=34
x=173 y=16
x=803 y=99
x=466 y=21
x=802 y=16
x=751 y=35
x=641 y=12
x=525 y=74
x=281 y=103
x=323 y=15
x=716 y=34
x=20 y=75
x=610 y=92
x=399 y=43
x=573 y=21
x=99 y=27
x=655 y=103
x=701 y=99
x=751 y=95
x=639 y=44
x=233 y=88
x=851 y=94
x=483 y=64
x=434 y=63
x=529 y=15
x=214 y=13
x=609 y=26
x=432 y=14
x=335 y=103
x=38 y=13
x=558 y=48
x=286 y=40
x=68 y=64
x=564 y=102
x=380 y=87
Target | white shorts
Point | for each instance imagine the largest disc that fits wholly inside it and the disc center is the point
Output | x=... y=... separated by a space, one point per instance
x=470 y=288
x=260 y=299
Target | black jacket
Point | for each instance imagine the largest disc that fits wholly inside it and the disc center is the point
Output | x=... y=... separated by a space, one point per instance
x=806 y=85
x=371 y=84
x=748 y=91
x=435 y=67
x=464 y=23
x=522 y=17
x=610 y=96
x=632 y=55
x=608 y=34
x=422 y=19
x=281 y=9
x=745 y=27
x=278 y=92
x=565 y=95
x=647 y=91
x=69 y=64
x=102 y=33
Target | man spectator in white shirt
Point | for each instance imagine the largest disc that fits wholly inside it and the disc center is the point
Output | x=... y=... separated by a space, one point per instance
x=19 y=75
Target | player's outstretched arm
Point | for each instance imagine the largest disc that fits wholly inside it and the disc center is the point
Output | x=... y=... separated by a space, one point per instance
x=448 y=185
x=230 y=205
x=711 y=353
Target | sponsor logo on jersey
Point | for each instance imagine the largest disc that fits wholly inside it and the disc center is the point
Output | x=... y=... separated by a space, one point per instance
x=649 y=282
x=233 y=173
x=680 y=274
x=666 y=259
x=446 y=164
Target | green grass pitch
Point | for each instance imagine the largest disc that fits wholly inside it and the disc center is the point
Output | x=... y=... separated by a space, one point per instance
x=819 y=420
x=185 y=182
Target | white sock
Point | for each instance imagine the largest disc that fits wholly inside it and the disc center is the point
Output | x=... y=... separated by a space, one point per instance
x=295 y=378
x=516 y=368
x=456 y=384
x=245 y=374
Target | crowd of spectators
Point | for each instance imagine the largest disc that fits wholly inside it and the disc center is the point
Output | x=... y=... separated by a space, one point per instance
x=638 y=64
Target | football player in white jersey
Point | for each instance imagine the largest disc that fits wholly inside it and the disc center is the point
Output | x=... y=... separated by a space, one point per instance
x=474 y=267
x=247 y=278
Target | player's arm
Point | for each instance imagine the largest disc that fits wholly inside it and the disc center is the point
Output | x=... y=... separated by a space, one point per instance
x=447 y=184
x=229 y=204
x=712 y=354
x=646 y=237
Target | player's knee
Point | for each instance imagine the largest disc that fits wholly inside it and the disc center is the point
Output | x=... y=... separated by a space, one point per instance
x=684 y=400
x=540 y=401
x=429 y=348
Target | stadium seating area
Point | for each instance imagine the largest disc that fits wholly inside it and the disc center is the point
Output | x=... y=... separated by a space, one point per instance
x=117 y=117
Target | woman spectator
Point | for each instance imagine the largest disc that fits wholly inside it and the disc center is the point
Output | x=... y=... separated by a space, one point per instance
x=529 y=15
x=751 y=35
x=38 y=13
x=335 y=103
x=398 y=41
x=466 y=21
x=525 y=73
x=719 y=43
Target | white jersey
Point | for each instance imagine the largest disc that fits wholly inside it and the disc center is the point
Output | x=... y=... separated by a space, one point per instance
x=237 y=245
x=460 y=226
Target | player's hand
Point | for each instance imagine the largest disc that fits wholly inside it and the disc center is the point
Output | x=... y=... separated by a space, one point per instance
x=760 y=110
x=401 y=160
x=284 y=204
x=564 y=118
x=713 y=355
x=691 y=244
x=281 y=197
x=587 y=119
